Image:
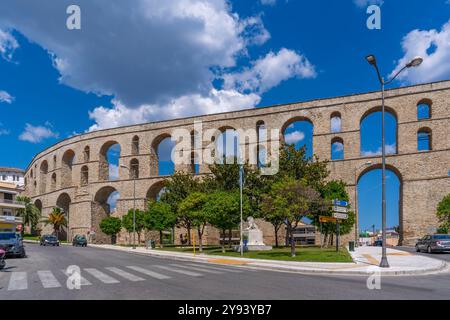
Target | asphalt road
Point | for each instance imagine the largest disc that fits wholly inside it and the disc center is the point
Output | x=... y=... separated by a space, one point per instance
x=445 y=256
x=119 y=275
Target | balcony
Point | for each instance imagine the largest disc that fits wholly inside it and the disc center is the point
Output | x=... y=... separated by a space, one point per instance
x=11 y=219
x=4 y=203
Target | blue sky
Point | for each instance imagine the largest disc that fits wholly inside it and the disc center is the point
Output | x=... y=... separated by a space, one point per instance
x=152 y=60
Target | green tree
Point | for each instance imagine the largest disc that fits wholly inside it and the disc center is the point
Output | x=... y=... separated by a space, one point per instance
x=223 y=210
x=159 y=217
x=57 y=219
x=193 y=208
x=443 y=212
x=290 y=200
x=111 y=226
x=127 y=222
x=30 y=214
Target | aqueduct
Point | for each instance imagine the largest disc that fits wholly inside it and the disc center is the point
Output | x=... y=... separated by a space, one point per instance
x=73 y=174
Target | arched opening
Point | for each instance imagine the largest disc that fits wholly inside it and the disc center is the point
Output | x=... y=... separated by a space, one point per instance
x=195 y=166
x=54 y=162
x=84 y=176
x=299 y=132
x=227 y=145
x=53 y=182
x=424 y=109
x=156 y=191
x=164 y=147
x=424 y=139
x=105 y=204
x=109 y=161
x=370 y=205
x=335 y=122
x=370 y=132
x=38 y=204
x=63 y=202
x=43 y=177
x=195 y=149
x=66 y=168
x=337 y=149
x=261 y=134
x=134 y=169
x=135 y=145
x=87 y=154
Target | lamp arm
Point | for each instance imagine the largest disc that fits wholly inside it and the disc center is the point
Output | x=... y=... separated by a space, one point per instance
x=396 y=75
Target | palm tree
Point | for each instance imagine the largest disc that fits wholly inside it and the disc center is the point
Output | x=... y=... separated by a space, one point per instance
x=30 y=214
x=57 y=219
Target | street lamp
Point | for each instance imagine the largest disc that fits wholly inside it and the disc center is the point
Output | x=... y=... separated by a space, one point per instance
x=134 y=205
x=365 y=164
x=372 y=61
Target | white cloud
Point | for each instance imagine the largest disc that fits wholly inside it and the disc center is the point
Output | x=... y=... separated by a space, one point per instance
x=390 y=149
x=294 y=137
x=336 y=124
x=113 y=172
x=270 y=71
x=6 y=97
x=338 y=146
x=268 y=2
x=434 y=47
x=8 y=44
x=36 y=134
x=366 y=3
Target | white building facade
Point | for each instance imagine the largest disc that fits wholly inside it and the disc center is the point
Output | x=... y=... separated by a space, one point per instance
x=12 y=175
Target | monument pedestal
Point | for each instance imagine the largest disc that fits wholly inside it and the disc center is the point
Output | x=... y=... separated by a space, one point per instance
x=255 y=241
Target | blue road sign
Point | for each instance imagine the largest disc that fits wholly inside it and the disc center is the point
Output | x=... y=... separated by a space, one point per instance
x=340 y=203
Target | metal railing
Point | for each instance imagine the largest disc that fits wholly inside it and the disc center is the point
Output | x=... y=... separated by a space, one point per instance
x=14 y=202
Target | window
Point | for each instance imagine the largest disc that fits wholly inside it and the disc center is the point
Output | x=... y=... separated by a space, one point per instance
x=335 y=122
x=337 y=149
x=424 y=139
x=423 y=110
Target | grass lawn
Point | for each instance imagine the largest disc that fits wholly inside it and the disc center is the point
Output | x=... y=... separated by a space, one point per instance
x=304 y=254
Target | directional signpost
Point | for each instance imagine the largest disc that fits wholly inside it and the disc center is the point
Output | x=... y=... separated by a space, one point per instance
x=340 y=209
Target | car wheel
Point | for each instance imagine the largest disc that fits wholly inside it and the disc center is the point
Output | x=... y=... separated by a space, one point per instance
x=22 y=254
x=417 y=248
x=429 y=250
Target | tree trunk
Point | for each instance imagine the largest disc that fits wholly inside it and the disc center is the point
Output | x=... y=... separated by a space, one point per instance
x=291 y=235
x=286 y=241
x=229 y=238
x=139 y=238
x=188 y=227
x=200 y=243
x=160 y=239
x=223 y=241
x=276 y=236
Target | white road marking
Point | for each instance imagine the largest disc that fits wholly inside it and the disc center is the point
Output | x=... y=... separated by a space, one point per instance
x=188 y=273
x=83 y=280
x=149 y=273
x=48 y=279
x=18 y=281
x=124 y=274
x=197 y=269
x=103 y=277
x=215 y=268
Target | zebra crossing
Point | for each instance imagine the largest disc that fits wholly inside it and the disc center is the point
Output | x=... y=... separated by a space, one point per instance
x=48 y=279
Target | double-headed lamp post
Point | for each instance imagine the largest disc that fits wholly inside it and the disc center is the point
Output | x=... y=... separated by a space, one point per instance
x=372 y=61
x=134 y=205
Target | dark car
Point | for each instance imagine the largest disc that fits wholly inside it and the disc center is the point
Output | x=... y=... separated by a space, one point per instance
x=49 y=240
x=12 y=243
x=378 y=243
x=434 y=243
x=79 y=240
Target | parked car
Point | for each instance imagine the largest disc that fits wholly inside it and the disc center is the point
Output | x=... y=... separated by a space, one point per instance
x=378 y=243
x=12 y=243
x=49 y=240
x=433 y=243
x=79 y=240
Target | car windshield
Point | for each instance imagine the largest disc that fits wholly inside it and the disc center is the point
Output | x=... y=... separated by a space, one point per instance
x=51 y=238
x=442 y=237
x=7 y=236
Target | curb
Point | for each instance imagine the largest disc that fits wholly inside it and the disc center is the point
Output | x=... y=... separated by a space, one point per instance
x=252 y=264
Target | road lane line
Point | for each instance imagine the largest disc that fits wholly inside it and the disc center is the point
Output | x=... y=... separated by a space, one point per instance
x=150 y=273
x=124 y=274
x=48 y=279
x=215 y=268
x=18 y=281
x=188 y=273
x=197 y=269
x=83 y=280
x=103 y=277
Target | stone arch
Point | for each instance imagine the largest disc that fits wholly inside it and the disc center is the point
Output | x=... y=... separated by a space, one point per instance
x=291 y=135
x=424 y=139
x=399 y=176
x=54 y=162
x=155 y=189
x=154 y=165
x=135 y=145
x=223 y=137
x=261 y=138
x=87 y=154
x=64 y=202
x=335 y=122
x=66 y=168
x=161 y=164
x=38 y=204
x=134 y=168
x=104 y=162
x=388 y=112
x=424 y=109
x=84 y=176
x=101 y=208
x=53 y=182
x=43 y=169
x=337 y=149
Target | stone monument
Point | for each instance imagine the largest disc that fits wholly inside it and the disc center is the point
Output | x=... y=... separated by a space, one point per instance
x=255 y=240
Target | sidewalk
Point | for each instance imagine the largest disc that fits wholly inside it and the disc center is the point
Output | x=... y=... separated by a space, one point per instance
x=366 y=260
